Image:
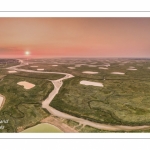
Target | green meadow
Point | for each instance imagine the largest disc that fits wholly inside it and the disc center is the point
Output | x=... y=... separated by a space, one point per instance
x=23 y=108
x=124 y=99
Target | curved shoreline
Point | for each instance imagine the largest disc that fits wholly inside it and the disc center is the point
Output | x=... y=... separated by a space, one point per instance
x=52 y=127
x=59 y=124
x=57 y=85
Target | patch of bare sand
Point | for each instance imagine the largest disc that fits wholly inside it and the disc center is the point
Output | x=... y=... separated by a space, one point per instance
x=2 y=101
x=90 y=72
x=40 y=69
x=120 y=73
x=58 y=123
x=54 y=65
x=91 y=83
x=102 y=68
x=71 y=67
x=92 y=65
x=34 y=66
x=131 y=69
x=26 y=85
x=12 y=71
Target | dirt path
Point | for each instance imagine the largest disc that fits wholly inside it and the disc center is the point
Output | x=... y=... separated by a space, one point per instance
x=57 y=84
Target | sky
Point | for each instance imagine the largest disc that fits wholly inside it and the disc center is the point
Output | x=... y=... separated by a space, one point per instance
x=74 y=37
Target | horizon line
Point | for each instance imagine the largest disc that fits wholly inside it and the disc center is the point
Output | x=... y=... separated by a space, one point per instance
x=71 y=57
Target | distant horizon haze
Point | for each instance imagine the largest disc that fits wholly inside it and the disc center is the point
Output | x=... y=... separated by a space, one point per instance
x=74 y=37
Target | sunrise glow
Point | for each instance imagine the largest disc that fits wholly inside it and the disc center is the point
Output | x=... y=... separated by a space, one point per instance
x=27 y=53
x=75 y=37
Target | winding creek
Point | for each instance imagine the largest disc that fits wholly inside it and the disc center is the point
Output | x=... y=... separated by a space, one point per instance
x=57 y=85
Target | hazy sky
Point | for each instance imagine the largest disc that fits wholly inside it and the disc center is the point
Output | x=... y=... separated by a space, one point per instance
x=91 y=37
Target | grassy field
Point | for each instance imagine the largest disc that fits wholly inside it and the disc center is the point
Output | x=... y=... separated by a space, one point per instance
x=118 y=102
x=23 y=107
x=64 y=68
x=141 y=66
x=124 y=99
x=71 y=123
x=39 y=75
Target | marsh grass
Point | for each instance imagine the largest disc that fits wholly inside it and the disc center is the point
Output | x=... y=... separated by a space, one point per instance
x=124 y=99
x=23 y=107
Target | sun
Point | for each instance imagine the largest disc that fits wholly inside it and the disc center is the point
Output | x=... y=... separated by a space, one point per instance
x=27 y=53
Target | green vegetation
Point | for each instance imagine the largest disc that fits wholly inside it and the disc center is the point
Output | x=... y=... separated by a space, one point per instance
x=23 y=107
x=124 y=99
x=141 y=66
x=71 y=123
x=75 y=99
x=43 y=128
x=89 y=129
x=64 y=68
x=40 y=75
x=79 y=127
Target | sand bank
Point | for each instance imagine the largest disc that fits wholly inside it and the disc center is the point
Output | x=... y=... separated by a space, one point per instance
x=92 y=65
x=40 y=69
x=13 y=71
x=102 y=68
x=54 y=65
x=90 y=72
x=34 y=66
x=121 y=73
x=26 y=85
x=131 y=69
x=91 y=83
x=71 y=67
